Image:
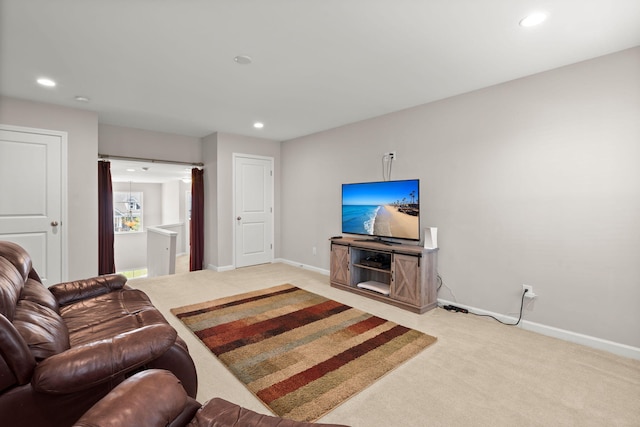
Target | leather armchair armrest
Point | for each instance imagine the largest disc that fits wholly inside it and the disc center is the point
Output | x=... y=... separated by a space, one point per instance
x=136 y=402
x=69 y=292
x=85 y=366
x=218 y=413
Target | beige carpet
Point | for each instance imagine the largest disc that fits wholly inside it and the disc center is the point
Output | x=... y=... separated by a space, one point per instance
x=480 y=373
x=182 y=264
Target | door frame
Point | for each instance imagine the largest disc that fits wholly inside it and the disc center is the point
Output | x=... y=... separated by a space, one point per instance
x=235 y=156
x=64 y=220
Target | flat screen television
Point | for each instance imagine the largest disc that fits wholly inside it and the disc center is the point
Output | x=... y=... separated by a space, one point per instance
x=382 y=209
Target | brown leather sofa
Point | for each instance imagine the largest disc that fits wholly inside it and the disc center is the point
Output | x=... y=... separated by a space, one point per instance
x=136 y=402
x=65 y=347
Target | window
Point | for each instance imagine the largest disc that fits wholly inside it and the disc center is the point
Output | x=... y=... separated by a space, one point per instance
x=127 y=211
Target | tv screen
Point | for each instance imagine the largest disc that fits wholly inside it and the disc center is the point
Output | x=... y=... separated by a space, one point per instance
x=382 y=209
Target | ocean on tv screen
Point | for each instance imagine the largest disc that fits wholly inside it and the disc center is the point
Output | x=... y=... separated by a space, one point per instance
x=384 y=209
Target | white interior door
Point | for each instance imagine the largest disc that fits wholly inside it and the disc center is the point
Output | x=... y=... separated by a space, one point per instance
x=31 y=196
x=253 y=210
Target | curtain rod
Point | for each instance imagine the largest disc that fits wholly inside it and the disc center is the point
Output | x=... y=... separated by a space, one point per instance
x=142 y=159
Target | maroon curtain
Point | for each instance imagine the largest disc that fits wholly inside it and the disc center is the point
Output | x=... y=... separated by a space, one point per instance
x=106 y=260
x=196 y=258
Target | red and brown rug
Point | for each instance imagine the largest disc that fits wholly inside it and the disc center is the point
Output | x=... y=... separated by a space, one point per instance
x=300 y=353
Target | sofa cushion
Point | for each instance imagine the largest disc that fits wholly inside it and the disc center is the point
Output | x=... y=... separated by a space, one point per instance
x=16 y=360
x=42 y=328
x=38 y=293
x=111 y=327
x=108 y=315
x=11 y=283
x=80 y=314
x=70 y=292
x=17 y=256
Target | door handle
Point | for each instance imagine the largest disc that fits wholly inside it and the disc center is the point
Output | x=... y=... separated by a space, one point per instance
x=54 y=223
x=239 y=218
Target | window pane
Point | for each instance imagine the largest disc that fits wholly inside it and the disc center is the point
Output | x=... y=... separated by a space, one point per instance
x=127 y=211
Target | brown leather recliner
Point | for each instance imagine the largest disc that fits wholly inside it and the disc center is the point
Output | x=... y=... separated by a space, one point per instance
x=154 y=398
x=65 y=347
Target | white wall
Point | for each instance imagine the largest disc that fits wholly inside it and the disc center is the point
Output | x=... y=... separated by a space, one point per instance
x=533 y=181
x=171 y=202
x=130 y=142
x=82 y=210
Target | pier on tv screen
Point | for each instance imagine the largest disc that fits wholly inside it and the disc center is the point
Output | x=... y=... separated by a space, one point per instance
x=382 y=209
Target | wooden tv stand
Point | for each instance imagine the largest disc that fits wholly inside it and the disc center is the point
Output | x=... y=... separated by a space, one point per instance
x=407 y=273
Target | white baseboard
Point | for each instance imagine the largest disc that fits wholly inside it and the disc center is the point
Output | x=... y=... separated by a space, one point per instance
x=281 y=260
x=551 y=331
x=220 y=269
x=305 y=266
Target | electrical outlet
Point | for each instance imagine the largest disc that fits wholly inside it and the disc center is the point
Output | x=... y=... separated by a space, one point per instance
x=529 y=291
x=391 y=155
x=315 y=252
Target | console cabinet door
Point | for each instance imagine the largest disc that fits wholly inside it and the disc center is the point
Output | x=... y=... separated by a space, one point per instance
x=340 y=264
x=405 y=285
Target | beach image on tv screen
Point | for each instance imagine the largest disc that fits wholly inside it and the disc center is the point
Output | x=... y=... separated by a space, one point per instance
x=385 y=209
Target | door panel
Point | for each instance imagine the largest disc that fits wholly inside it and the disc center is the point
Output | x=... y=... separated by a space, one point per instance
x=340 y=264
x=405 y=279
x=31 y=167
x=253 y=211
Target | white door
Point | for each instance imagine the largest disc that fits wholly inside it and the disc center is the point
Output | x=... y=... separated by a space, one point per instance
x=253 y=210
x=31 y=196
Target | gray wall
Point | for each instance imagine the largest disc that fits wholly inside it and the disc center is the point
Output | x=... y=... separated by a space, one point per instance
x=82 y=176
x=534 y=181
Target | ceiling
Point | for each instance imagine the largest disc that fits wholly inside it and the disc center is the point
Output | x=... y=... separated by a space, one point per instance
x=168 y=65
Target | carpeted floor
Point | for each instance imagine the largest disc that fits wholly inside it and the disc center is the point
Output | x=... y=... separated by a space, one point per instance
x=298 y=352
x=480 y=373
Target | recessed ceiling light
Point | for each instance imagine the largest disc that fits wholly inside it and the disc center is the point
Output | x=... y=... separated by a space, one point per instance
x=43 y=81
x=258 y=125
x=131 y=170
x=81 y=99
x=243 y=59
x=534 y=19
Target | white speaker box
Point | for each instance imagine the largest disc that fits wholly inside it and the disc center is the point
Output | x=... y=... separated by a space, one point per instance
x=431 y=238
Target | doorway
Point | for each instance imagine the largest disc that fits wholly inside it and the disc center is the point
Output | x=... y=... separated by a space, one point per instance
x=33 y=203
x=253 y=209
x=159 y=191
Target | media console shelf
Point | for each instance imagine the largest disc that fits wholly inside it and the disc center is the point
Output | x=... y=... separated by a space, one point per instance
x=402 y=275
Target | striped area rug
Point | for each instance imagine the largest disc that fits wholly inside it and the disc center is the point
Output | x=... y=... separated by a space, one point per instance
x=300 y=353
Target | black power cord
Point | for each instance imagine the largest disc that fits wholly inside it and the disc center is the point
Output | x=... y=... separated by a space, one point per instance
x=505 y=323
x=464 y=310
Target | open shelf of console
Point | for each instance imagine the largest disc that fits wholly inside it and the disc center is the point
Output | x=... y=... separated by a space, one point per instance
x=399 y=274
